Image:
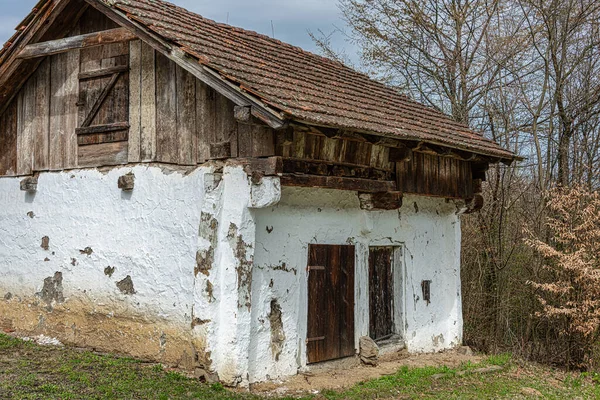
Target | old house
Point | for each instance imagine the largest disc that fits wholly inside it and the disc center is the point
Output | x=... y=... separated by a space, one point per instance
x=193 y=193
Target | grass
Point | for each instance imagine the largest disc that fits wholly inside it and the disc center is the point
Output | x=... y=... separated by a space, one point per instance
x=29 y=371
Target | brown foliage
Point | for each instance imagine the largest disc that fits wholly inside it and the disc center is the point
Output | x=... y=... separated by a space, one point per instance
x=570 y=297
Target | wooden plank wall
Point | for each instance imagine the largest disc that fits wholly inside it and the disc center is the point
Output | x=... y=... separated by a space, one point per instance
x=175 y=118
x=434 y=175
x=310 y=146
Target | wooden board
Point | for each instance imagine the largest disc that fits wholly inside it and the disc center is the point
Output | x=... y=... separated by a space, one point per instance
x=330 y=328
x=104 y=91
x=103 y=154
x=187 y=135
x=148 y=104
x=135 y=101
x=381 y=292
x=8 y=140
x=63 y=110
x=205 y=119
x=42 y=117
x=166 y=110
x=433 y=175
x=25 y=117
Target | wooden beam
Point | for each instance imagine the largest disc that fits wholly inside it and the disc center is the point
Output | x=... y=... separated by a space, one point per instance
x=90 y=130
x=336 y=182
x=380 y=201
x=52 y=47
x=320 y=167
x=259 y=167
x=100 y=73
x=205 y=74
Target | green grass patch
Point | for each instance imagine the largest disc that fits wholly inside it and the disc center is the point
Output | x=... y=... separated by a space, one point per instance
x=28 y=371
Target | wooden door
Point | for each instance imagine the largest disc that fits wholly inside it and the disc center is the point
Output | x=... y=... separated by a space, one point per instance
x=330 y=333
x=381 y=293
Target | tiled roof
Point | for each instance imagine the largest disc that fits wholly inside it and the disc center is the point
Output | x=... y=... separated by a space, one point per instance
x=301 y=85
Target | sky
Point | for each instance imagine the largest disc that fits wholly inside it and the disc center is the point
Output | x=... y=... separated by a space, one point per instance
x=291 y=18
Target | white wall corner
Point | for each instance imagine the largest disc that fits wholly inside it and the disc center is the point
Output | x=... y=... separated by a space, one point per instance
x=266 y=193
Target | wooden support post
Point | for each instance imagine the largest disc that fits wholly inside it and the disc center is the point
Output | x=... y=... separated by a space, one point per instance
x=51 y=47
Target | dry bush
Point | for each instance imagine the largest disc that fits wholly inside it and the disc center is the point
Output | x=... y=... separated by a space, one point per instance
x=569 y=293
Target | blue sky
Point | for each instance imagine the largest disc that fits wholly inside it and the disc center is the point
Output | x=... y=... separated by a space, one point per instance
x=291 y=18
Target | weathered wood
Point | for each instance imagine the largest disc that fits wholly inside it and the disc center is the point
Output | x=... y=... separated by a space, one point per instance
x=432 y=175
x=53 y=47
x=63 y=110
x=148 y=104
x=381 y=292
x=334 y=182
x=100 y=101
x=103 y=154
x=380 y=201
x=25 y=117
x=220 y=150
x=226 y=126
x=116 y=126
x=100 y=73
x=135 y=101
x=245 y=140
x=110 y=133
x=8 y=140
x=99 y=138
x=166 y=110
x=42 y=117
x=318 y=167
x=187 y=135
x=263 y=141
x=270 y=166
x=330 y=317
x=203 y=73
x=205 y=119
x=242 y=113
x=53 y=19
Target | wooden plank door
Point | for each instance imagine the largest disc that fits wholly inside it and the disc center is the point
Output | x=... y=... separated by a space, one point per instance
x=330 y=333
x=381 y=293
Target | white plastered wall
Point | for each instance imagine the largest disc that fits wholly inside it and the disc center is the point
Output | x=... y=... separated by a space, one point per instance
x=426 y=230
x=180 y=313
x=98 y=235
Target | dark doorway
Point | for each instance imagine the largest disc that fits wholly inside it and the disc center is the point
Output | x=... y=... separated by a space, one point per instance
x=381 y=293
x=330 y=332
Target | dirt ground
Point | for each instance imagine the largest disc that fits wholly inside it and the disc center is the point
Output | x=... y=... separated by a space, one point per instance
x=345 y=374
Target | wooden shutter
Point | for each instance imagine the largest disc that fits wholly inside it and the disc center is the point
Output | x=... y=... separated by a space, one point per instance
x=381 y=293
x=103 y=106
x=330 y=333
